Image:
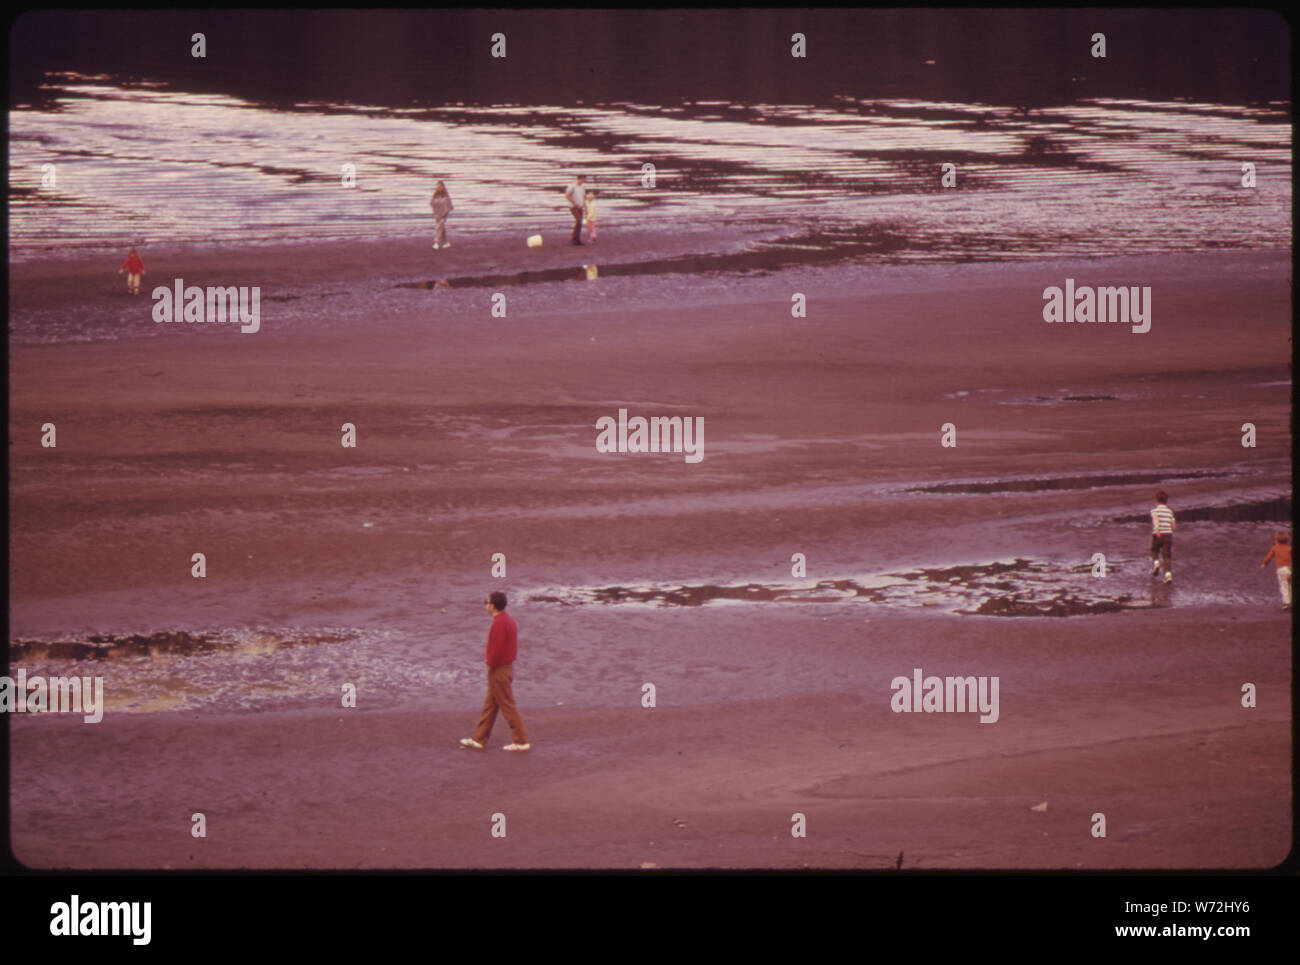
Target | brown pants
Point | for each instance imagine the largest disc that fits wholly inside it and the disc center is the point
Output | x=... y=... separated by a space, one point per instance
x=1162 y=549
x=500 y=698
x=577 y=223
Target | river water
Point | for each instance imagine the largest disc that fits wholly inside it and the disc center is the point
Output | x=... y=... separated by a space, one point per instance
x=103 y=164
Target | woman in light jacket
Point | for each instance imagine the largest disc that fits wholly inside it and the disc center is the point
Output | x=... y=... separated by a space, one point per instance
x=442 y=207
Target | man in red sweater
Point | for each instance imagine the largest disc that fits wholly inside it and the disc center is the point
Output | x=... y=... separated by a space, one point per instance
x=501 y=651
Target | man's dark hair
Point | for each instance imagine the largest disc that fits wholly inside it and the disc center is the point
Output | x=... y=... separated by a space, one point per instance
x=1162 y=496
x=498 y=600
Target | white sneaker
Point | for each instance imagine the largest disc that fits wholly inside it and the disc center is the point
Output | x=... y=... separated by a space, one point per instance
x=470 y=742
x=1169 y=577
x=447 y=245
x=435 y=246
x=516 y=747
x=1155 y=567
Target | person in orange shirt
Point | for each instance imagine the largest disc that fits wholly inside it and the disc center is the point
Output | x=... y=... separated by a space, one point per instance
x=1280 y=554
x=134 y=267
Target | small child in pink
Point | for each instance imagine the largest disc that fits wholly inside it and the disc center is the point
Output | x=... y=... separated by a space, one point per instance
x=134 y=267
x=591 y=215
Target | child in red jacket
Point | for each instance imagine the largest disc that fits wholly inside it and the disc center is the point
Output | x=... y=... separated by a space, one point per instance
x=134 y=267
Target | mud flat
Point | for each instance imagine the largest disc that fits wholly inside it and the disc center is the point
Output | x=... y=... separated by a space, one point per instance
x=476 y=435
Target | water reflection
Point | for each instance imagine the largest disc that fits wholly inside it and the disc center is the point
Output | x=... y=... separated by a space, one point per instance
x=1092 y=178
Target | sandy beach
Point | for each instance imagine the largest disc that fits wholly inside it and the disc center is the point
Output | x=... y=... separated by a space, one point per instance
x=822 y=437
x=1154 y=742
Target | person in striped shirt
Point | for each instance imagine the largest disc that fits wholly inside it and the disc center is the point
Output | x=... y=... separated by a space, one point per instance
x=1162 y=537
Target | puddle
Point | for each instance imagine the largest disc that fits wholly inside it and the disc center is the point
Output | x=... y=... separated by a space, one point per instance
x=1019 y=587
x=1053 y=399
x=818 y=248
x=1039 y=484
x=237 y=669
x=1276 y=510
x=170 y=643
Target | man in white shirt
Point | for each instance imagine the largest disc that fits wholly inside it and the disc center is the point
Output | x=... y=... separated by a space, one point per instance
x=577 y=197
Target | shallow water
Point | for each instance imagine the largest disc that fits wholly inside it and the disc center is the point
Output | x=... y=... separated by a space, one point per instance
x=143 y=165
x=405 y=653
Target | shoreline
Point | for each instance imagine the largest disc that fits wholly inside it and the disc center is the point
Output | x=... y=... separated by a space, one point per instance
x=345 y=285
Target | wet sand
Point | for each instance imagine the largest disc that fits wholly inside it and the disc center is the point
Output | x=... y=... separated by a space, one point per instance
x=476 y=435
x=1146 y=729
